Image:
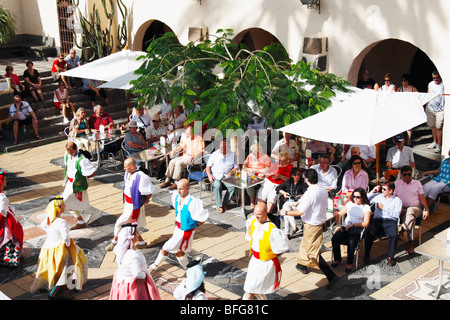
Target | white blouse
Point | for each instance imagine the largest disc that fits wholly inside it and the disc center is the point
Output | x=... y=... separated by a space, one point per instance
x=133 y=266
x=57 y=231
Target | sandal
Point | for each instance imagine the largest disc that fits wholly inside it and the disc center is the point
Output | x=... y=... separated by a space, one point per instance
x=15 y=141
x=219 y=209
x=38 y=137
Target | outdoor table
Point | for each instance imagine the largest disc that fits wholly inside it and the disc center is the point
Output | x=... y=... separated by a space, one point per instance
x=438 y=249
x=98 y=137
x=146 y=156
x=442 y=235
x=236 y=182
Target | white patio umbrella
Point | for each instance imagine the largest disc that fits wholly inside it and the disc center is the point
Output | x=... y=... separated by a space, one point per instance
x=365 y=118
x=117 y=68
x=110 y=67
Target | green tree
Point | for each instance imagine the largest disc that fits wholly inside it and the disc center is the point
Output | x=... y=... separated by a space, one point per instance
x=265 y=82
x=6 y=25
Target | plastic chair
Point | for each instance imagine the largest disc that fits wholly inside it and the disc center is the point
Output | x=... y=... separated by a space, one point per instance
x=125 y=152
x=198 y=175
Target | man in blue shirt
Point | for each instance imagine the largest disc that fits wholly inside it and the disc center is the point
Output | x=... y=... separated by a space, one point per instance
x=385 y=219
x=221 y=165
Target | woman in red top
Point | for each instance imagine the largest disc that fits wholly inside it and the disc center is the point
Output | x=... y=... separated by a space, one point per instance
x=59 y=65
x=16 y=85
x=274 y=176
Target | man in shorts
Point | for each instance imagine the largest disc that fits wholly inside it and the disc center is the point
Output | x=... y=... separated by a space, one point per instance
x=435 y=112
x=22 y=114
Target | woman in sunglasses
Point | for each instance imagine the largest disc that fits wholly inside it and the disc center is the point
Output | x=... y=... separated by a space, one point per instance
x=355 y=177
x=348 y=232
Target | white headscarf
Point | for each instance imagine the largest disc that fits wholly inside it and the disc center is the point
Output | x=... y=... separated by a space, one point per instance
x=124 y=242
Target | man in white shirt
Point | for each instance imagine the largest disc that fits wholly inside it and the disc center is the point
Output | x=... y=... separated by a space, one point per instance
x=22 y=114
x=327 y=175
x=285 y=144
x=435 y=112
x=312 y=208
x=222 y=164
x=400 y=155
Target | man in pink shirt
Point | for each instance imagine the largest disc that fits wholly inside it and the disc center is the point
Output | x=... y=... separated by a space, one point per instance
x=414 y=204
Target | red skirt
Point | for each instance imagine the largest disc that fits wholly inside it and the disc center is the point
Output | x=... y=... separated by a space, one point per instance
x=126 y=290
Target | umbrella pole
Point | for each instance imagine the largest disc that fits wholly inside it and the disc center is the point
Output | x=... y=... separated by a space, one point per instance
x=378 y=163
x=128 y=106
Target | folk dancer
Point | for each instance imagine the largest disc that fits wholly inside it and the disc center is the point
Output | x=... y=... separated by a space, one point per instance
x=137 y=191
x=267 y=242
x=131 y=281
x=62 y=265
x=189 y=214
x=77 y=170
x=11 y=231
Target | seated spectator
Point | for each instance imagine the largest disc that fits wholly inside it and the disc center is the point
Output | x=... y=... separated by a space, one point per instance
x=355 y=177
x=414 y=204
x=257 y=161
x=79 y=130
x=22 y=114
x=100 y=118
x=134 y=141
x=16 y=85
x=142 y=118
x=366 y=82
x=385 y=219
x=291 y=190
x=154 y=132
x=61 y=101
x=388 y=86
x=176 y=125
x=440 y=183
x=399 y=156
x=32 y=81
x=327 y=175
x=222 y=164
x=368 y=153
x=165 y=110
x=318 y=147
x=73 y=61
x=91 y=88
x=348 y=232
x=59 y=66
x=274 y=176
x=285 y=144
x=192 y=147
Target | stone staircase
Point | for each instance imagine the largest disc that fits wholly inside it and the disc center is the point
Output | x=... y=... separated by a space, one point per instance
x=51 y=126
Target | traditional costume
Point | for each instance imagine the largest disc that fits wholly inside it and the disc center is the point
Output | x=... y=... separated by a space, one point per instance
x=75 y=194
x=131 y=281
x=192 y=284
x=187 y=215
x=264 y=270
x=62 y=265
x=11 y=232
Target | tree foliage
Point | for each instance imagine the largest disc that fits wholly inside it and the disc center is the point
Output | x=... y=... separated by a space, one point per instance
x=263 y=82
x=6 y=25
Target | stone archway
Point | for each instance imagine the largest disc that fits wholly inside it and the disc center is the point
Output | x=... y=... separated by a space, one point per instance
x=147 y=31
x=255 y=38
x=396 y=57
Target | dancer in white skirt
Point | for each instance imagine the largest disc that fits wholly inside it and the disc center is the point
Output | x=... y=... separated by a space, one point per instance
x=267 y=242
x=77 y=170
x=189 y=214
x=137 y=191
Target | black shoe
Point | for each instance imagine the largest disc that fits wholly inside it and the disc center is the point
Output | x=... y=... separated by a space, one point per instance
x=335 y=264
x=366 y=259
x=332 y=282
x=302 y=268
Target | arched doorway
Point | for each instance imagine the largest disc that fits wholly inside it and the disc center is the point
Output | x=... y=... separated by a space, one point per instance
x=396 y=57
x=147 y=31
x=255 y=38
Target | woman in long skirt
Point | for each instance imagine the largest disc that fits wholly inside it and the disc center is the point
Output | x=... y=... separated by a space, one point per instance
x=131 y=281
x=11 y=232
x=62 y=266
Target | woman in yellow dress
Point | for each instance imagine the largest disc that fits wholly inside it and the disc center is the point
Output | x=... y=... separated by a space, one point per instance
x=62 y=266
